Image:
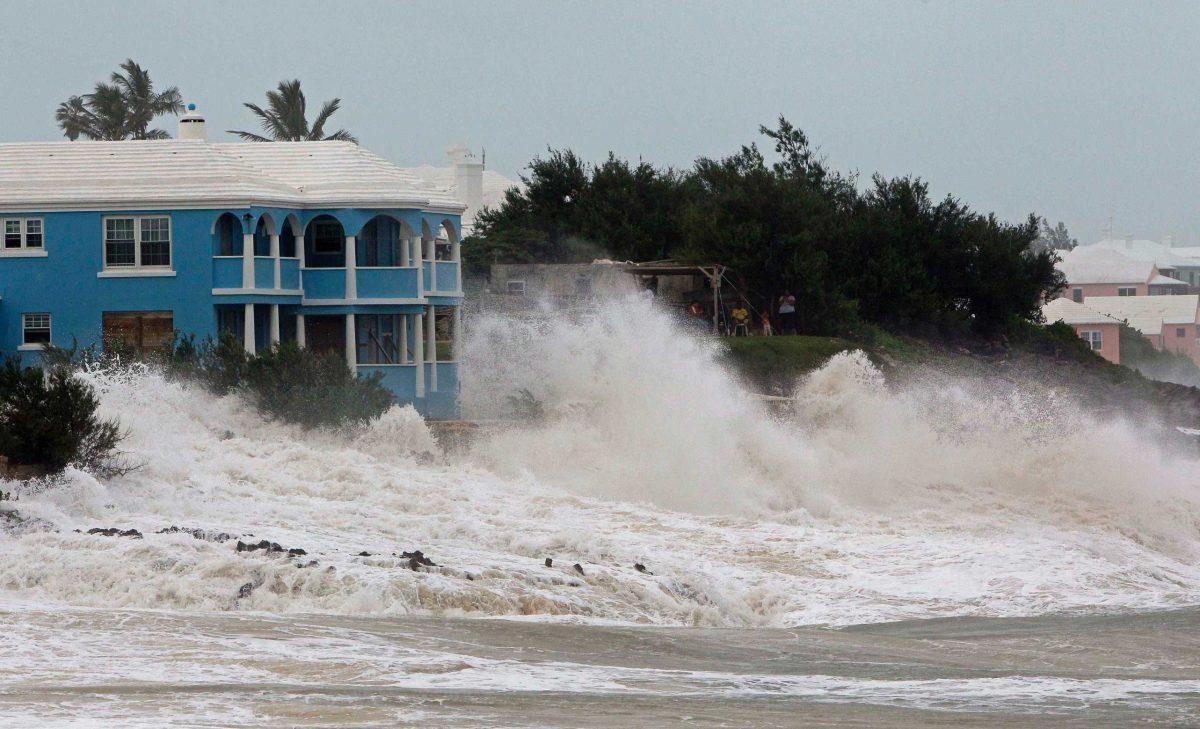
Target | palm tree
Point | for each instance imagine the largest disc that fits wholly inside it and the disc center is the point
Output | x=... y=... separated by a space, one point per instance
x=284 y=118
x=122 y=109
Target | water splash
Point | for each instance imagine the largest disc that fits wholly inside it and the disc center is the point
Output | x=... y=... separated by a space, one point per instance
x=866 y=503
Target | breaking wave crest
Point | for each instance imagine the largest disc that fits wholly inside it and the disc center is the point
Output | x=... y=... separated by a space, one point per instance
x=865 y=501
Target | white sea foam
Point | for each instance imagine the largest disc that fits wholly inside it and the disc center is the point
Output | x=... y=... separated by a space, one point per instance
x=867 y=503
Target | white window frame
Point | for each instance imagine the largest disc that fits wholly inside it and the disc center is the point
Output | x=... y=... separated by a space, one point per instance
x=24 y=250
x=1131 y=289
x=137 y=266
x=1094 y=338
x=27 y=346
x=509 y=289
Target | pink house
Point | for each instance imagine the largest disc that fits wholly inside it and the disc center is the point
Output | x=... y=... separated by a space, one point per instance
x=1094 y=271
x=1101 y=332
x=1171 y=323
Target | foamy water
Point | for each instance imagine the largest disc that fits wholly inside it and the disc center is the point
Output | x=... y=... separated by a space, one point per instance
x=866 y=504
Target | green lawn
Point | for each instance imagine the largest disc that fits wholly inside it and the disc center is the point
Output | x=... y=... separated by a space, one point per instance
x=774 y=363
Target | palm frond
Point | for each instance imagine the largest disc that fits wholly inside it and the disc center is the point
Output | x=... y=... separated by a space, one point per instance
x=250 y=136
x=318 y=126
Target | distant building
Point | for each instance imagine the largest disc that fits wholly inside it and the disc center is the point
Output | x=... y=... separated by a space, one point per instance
x=468 y=181
x=517 y=288
x=319 y=243
x=1176 y=263
x=1169 y=322
x=1101 y=332
x=1102 y=271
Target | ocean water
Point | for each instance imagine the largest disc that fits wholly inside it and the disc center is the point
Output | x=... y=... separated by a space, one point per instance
x=946 y=551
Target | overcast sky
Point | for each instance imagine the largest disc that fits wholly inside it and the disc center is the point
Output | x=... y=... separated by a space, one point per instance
x=1076 y=111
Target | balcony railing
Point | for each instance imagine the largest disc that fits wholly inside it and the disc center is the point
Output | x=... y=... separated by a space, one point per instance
x=446 y=276
x=324 y=283
x=387 y=283
x=227 y=272
x=264 y=272
x=289 y=273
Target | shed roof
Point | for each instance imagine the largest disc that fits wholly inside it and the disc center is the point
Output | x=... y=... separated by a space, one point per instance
x=193 y=173
x=1148 y=314
x=1070 y=312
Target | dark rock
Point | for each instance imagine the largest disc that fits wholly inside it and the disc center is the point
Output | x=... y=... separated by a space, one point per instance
x=578 y=568
x=245 y=590
x=419 y=556
x=642 y=568
x=114 y=532
x=269 y=547
x=414 y=564
x=201 y=534
x=363 y=554
x=549 y=562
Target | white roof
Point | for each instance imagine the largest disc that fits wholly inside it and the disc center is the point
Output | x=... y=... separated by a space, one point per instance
x=494 y=183
x=1141 y=249
x=1161 y=280
x=1148 y=314
x=1069 y=312
x=193 y=173
x=1094 y=265
x=1188 y=252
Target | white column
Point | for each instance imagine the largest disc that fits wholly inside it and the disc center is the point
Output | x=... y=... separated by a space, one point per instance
x=275 y=255
x=404 y=338
x=351 y=349
x=300 y=331
x=457 y=334
x=431 y=345
x=275 y=322
x=351 y=268
x=419 y=354
x=248 y=329
x=247 y=260
x=417 y=247
x=456 y=256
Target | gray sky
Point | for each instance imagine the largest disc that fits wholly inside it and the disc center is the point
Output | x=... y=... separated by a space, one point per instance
x=1078 y=111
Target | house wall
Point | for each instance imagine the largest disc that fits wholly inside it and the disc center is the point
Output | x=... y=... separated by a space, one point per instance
x=1110 y=334
x=1185 y=344
x=1105 y=289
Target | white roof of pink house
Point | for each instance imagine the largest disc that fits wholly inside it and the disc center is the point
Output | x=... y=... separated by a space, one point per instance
x=1148 y=314
x=1069 y=312
x=1102 y=266
x=1141 y=249
x=194 y=173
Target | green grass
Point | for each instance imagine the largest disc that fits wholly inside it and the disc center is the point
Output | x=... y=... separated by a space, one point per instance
x=774 y=363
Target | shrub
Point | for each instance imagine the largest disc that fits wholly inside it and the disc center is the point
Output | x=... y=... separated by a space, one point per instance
x=284 y=382
x=48 y=419
x=313 y=389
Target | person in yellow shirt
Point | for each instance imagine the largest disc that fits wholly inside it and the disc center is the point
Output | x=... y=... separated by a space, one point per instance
x=740 y=316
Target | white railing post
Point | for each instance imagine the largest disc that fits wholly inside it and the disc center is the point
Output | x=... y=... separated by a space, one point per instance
x=248 y=338
x=351 y=268
x=351 y=347
x=300 y=331
x=432 y=346
x=275 y=256
x=419 y=354
x=247 y=260
x=274 y=323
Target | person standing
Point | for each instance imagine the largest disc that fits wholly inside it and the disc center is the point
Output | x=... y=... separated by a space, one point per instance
x=787 y=314
x=766 y=324
x=741 y=320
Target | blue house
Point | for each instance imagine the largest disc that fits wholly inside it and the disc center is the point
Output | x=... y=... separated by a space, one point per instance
x=319 y=243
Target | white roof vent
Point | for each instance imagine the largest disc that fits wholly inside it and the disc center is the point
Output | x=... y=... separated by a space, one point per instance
x=191 y=125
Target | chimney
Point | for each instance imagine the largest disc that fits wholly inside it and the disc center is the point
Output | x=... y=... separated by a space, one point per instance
x=191 y=125
x=468 y=179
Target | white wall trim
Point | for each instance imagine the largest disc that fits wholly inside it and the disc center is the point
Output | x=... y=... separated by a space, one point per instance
x=134 y=272
x=257 y=292
x=364 y=302
x=23 y=253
